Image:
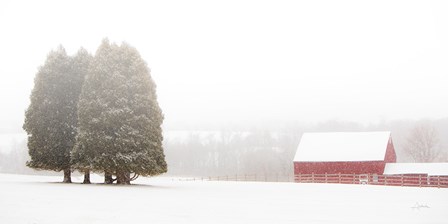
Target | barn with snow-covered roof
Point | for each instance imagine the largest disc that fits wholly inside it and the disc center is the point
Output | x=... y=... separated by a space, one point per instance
x=344 y=153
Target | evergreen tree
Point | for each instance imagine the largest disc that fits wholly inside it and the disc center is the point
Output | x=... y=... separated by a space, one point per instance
x=119 y=117
x=51 y=119
x=79 y=68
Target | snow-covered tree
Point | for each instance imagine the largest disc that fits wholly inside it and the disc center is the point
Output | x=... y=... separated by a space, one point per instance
x=422 y=143
x=51 y=119
x=119 y=117
x=79 y=68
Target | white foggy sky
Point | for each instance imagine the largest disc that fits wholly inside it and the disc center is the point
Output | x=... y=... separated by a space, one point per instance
x=247 y=61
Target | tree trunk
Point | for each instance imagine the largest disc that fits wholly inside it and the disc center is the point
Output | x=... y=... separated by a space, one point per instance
x=123 y=177
x=128 y=178
x=108 y=178
x=67 y=176
x=86 y=177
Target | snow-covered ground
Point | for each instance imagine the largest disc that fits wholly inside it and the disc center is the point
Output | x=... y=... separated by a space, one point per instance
x=41 y=199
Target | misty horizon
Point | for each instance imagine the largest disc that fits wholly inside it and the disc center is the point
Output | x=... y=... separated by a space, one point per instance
x=285 y=62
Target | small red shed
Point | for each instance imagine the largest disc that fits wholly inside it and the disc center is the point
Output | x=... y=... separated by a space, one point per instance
x=344 y=152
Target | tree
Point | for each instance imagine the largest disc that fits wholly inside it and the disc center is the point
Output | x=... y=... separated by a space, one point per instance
x=422 y=143
x=119 y=117
x=79 y=68
x=51 y=119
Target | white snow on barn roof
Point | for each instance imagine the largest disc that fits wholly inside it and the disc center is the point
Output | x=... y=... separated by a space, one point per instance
x=432 y=169
x=342 y=146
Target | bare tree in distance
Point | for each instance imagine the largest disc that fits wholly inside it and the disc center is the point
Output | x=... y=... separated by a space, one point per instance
x=422 y=143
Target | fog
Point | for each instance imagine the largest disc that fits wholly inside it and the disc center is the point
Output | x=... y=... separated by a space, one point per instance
x=275 y=67
x=266 y=150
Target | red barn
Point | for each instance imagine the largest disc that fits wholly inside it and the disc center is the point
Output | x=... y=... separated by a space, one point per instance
x=344 y=152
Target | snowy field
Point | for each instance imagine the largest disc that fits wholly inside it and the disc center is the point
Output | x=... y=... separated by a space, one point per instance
x=41 y=199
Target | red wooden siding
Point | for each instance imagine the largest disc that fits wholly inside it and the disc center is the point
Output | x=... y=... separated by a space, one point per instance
x=363 y=167
x=391 y=156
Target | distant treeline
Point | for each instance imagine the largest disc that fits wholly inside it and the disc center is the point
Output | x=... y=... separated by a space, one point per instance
x=262 y=150
x=270 y=151
x=224 y=153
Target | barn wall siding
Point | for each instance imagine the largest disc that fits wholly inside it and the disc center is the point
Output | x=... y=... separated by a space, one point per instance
x=370 y=167
x=391 y=156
